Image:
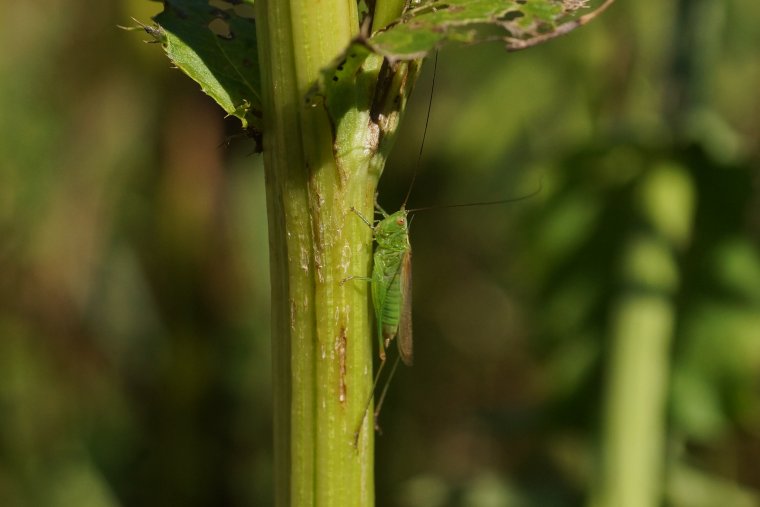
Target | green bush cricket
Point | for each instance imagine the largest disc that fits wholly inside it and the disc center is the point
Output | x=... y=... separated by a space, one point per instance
x=391 y=285
x=391 y=280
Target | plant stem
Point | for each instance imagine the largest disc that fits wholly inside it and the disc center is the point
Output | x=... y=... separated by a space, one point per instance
x=321 y=333
x=643 y=322
x=386 y=11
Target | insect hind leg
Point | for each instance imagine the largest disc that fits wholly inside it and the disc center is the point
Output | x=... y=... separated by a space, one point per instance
x=380 y=400
x=368 y=403
x=384 y=392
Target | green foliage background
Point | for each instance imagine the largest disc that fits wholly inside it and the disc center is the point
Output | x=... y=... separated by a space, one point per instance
x=134 y=348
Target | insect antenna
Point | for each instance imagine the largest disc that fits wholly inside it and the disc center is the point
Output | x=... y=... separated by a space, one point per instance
x=424 y=132
x=419 y=159
x=483 y=203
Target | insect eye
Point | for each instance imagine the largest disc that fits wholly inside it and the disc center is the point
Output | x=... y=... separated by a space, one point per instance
x=400 y=221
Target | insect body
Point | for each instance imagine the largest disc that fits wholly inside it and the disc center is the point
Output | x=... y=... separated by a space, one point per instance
x=392 y=284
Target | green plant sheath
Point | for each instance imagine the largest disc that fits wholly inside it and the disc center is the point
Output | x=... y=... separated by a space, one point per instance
x=321 y=328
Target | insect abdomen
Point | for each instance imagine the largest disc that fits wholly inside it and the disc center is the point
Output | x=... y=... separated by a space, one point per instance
x=391 y=309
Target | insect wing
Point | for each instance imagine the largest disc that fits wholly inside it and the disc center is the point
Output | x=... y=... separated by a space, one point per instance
x=404 y=338
x=379 y=294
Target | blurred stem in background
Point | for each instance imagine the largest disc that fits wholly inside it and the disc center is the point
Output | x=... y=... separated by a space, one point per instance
x=642 y=326
x=696 y=40
x=643 y=320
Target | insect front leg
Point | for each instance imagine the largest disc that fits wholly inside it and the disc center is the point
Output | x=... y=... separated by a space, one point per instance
x=356 y=277
x=380 y=209
x=369 y=224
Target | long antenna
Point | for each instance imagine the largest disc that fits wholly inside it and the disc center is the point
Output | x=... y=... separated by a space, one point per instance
x=424 y=132
x=483 y=203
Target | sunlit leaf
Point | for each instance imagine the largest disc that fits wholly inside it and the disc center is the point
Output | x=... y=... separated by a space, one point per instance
x=214 y=42
x=516 y=23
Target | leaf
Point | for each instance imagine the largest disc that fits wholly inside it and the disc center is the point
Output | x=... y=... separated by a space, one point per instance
x=341 y=82
x=517 y=23
x=214 y=43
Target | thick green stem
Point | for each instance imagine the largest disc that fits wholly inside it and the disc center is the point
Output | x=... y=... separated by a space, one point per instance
x=643 y=321
x=386 y=11
x=321 y=327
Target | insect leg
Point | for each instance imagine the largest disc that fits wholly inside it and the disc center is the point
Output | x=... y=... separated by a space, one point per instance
x=385 y=391
x=369 y=401
x=362 y=217
x=381 y=210
x=356 y=277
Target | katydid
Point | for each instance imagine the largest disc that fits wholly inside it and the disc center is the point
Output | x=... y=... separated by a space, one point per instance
x=391 y=280
x=391 y=284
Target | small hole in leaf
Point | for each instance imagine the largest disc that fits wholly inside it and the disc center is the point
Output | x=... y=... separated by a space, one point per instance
x=512 y=15
x=244 y=11
x=221 y=28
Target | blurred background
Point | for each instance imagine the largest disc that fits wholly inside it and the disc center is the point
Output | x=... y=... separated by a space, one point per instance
x=597 y=344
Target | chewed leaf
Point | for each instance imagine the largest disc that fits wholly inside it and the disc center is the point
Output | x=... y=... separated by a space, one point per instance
x=517 y=23
x=214 y=43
